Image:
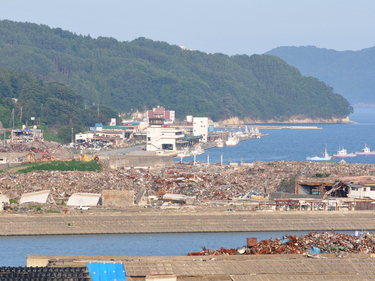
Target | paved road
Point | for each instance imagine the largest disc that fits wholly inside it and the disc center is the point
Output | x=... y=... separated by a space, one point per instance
x=121 y=150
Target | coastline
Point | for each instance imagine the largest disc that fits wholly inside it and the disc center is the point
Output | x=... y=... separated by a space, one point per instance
x=235 y=121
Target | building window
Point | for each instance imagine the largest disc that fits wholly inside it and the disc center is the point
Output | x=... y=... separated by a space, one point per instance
x=149 y=138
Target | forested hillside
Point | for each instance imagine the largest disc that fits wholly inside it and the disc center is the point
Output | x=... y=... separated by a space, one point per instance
x=350 y=73
x=142 y=74
x=27 y=100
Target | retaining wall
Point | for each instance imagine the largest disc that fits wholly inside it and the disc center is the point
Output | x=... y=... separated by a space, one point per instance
x=168 y=222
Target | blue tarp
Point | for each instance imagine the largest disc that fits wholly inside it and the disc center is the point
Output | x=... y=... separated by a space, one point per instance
x=314 y=250
x=104 y=271
x=284 y=240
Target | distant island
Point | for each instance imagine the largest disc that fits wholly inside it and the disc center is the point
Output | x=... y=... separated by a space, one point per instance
x=141 y=74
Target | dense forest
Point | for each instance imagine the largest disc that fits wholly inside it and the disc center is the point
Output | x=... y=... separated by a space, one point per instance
x=351 y=73
x=142 y=74
x=30 y=101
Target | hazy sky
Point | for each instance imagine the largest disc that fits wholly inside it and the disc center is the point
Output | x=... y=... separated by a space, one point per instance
x=225 y=26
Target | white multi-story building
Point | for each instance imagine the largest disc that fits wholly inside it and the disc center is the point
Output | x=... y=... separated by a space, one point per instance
x=161 y=137
x=200 y=127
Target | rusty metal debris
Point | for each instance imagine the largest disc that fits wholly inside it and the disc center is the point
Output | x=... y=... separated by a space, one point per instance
x=311 y=245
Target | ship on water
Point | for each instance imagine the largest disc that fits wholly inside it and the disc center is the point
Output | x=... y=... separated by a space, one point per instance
x=325 y=157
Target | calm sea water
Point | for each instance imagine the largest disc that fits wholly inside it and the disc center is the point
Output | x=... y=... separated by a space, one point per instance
x=288 y=144
x=15 y=249
x=278 y=145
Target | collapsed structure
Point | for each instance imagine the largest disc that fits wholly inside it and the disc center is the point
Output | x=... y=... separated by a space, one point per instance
x=205 y=183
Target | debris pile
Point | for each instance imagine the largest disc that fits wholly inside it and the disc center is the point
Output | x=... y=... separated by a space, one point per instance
x=50 y=147
x=310 y=244
x=206 y=183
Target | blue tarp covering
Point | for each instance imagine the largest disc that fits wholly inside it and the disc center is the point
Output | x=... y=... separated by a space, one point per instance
x=104 y=271
x=284 y=240
x=314 y=250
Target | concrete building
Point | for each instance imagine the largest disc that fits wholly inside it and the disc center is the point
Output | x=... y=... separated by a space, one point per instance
x=357 y=187
x=162 y=137
x=26 y=135
x=361 y=187
x=160 y=112
x=200 y=127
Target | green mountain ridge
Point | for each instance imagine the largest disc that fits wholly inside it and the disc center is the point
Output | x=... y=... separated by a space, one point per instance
x=349 y=72
x=142 y=74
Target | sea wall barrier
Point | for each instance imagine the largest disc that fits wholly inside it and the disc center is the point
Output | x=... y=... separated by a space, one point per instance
x=174 y=222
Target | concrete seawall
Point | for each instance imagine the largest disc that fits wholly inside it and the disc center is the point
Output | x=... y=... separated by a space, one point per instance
x=168 y=222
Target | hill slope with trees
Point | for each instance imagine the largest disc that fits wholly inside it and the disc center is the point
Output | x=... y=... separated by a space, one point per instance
x=30 y=101
x=142 y=74
x=349 y=72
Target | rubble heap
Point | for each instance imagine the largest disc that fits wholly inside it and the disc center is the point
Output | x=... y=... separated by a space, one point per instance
x=212 y=182
x=50 y=147
x=312 y=243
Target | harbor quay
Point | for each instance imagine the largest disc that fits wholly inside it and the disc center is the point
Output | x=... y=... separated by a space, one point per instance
x=209 y=267
x=226 y=268
x=183 y=222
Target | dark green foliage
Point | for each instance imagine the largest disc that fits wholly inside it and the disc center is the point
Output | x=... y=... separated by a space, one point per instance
x=52 y=105
x=142 y=74
x=66 y=134
x=321 y=175
x=287 y=184
x=92 y=166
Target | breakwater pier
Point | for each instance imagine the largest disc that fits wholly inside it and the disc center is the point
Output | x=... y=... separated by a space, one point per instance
x=183 y=222
x=208 y=268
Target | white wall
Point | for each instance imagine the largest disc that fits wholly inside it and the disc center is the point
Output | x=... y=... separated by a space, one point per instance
x=200 y=127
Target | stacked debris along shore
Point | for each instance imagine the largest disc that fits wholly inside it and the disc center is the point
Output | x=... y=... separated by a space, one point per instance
x=213 y=182
x=310 y=244
x=50 y=147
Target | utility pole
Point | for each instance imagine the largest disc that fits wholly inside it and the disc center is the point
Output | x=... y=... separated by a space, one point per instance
x=41 y=114
x=72 y=135
x=13 y=118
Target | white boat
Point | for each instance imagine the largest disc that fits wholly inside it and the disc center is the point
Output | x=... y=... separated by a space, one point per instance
x=344 y=153
x=219 y=143
x=198 y=150
x=366 y=151
x=324 y=157
x=232 y=141
x=183 y=154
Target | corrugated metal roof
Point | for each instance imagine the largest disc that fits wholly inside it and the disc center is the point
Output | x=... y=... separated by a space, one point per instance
x=103 y=271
